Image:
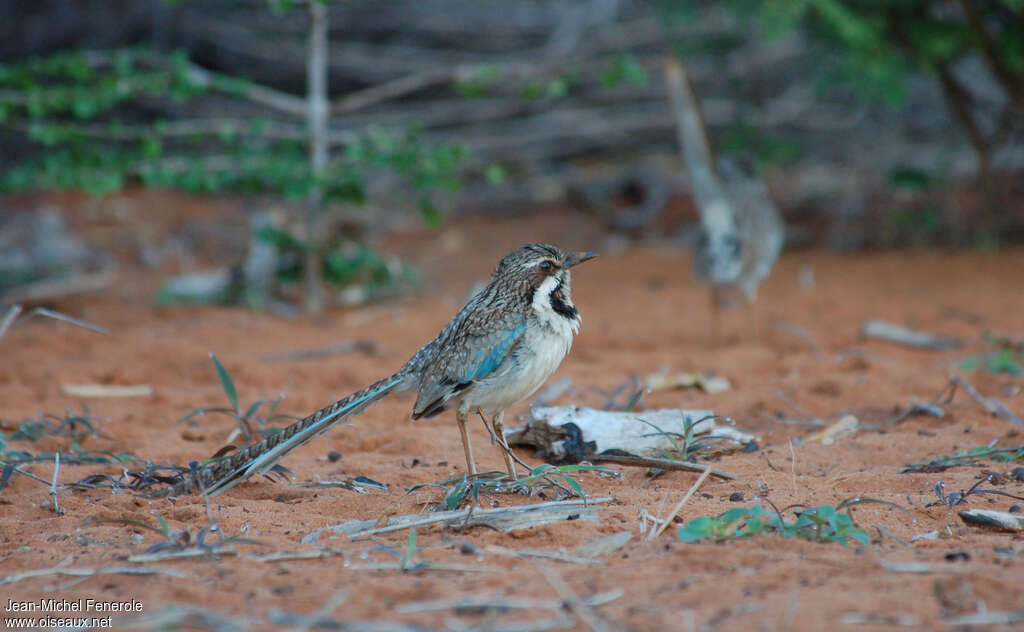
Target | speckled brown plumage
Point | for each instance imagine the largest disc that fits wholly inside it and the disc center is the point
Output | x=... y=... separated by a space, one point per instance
x=496 y=351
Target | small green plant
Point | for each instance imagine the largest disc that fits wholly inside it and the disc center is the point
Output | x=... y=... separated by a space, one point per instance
x=243 y=419
x=625 y=68
x=542 y=478
x=970 y=457
x=345 y=264
x=74 y=428
x=1008 y=361
x=824 y=523
x=685 y=444
x=767 y=147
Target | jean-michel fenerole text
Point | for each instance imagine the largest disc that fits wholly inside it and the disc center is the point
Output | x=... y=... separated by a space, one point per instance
x=74 y=605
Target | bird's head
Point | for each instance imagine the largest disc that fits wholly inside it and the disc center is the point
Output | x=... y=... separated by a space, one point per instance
x=541 y=272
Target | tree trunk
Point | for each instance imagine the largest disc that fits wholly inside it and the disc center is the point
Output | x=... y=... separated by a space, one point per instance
x=316 y=97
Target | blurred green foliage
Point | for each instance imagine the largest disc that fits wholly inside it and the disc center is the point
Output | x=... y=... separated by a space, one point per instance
x=872 y=47
x=83 y=112
x=824 y=523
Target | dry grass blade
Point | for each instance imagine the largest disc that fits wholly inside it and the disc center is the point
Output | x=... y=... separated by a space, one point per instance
x=86 y=572
x=282 y=556
x=986 y=618
x=675 y=510
x=574 y=603
x=15 y=310
x=143 y=558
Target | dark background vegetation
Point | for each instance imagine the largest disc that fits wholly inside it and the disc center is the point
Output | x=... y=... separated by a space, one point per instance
x=876 y=124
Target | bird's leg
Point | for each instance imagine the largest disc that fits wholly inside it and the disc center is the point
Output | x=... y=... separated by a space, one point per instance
x=460 y=415
x=499 y=429
x=716 y=316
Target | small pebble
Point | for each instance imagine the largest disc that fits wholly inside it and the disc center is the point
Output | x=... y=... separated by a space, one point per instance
x=958 y=556
x=334 y=456
x=736 y=497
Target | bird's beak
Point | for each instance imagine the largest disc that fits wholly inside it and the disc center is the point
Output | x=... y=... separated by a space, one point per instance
x=574 y=258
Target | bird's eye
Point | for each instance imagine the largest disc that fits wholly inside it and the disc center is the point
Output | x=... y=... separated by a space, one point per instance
x=546 y=266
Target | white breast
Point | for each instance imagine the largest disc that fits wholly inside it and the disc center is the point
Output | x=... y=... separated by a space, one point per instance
x=545 y=343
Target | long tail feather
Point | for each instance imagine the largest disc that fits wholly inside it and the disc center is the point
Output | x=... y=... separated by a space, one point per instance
x=259 y=458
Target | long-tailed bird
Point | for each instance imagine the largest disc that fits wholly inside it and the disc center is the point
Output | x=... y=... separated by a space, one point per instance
x=495 y=352
x=741 y=232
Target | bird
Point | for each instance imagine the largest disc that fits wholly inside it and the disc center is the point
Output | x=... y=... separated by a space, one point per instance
x=494 y=353
x=741 y=231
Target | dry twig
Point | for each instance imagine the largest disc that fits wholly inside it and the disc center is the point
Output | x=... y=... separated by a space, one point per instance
x=675 y=510
x=991 y=404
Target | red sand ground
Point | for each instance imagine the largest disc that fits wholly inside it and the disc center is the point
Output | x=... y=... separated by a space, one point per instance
x=642 y=312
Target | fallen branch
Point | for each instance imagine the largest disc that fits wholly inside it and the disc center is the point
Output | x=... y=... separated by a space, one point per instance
x=891 y=332
x=501 y=519
x=664 y=464
x=991 y=404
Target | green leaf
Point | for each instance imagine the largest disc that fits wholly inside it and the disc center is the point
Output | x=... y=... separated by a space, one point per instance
x=625 y=68
x=430 y=212
x=226 y=382
x=559 y=87
x=697 y=529
x=494 y=174
x=163 y=525
x=575 y=485
x=252 y=409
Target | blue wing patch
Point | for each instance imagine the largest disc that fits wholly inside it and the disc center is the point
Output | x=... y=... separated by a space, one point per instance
x=486 y=361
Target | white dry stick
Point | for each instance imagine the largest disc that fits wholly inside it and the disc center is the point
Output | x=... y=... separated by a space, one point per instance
x=53 y=485
x=8 y=318
x=675 y=510
x=106 y=390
